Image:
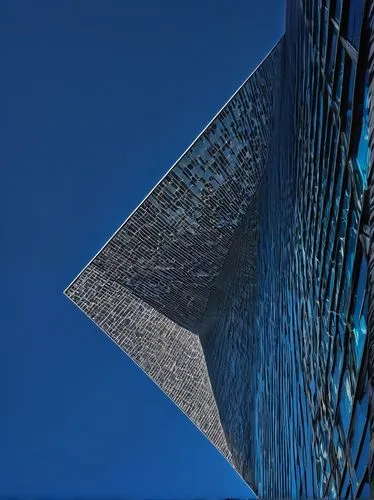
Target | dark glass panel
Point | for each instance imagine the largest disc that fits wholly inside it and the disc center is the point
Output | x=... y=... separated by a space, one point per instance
x=336 y=10
x=331 y=55
x=339 y=72
x=363 y=459
x=349 y=85
x=355 y=12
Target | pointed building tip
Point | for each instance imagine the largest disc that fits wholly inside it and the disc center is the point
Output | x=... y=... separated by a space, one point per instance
x=149 y=285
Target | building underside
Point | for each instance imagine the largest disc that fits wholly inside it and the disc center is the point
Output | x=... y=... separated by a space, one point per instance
x=243 y=283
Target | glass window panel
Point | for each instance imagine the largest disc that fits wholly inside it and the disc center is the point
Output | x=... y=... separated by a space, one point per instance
x=331 y=54
x=359 y=422
x=345 y=482
x=346 y=401
x=324 y=30
x=337 y=9
x=338 y=83
x=363 y=144
x=364 y=456
x=365 y=491
x=355 y=14
x=350 y=70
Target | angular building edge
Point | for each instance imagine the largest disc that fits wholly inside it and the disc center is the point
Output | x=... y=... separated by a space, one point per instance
x=116 y=309
x=65 y=291
x=223 y=450
x=149 y=306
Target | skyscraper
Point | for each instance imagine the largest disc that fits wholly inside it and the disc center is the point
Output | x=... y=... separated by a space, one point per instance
x=241 y=286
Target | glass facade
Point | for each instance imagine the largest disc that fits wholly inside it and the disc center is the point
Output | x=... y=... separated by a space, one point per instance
x=258 y=240
x=328 y=272
x=297 y=331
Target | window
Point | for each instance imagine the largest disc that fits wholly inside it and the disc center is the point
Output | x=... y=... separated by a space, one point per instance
x=355 y=14
x=336 y=10
x=339 y=73
x=349 y=81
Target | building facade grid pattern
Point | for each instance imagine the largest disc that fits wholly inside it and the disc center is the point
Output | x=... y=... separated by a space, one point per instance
x=258 y=240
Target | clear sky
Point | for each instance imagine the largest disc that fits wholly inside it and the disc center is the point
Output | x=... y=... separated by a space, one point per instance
x=100 y=99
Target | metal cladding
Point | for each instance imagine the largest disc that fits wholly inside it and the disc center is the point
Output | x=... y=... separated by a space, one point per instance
x=258 y=240
x=149 y=286
x=169 y=252
x=169 y=354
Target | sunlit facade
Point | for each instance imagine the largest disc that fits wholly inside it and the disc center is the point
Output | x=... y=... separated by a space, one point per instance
x=241 y=286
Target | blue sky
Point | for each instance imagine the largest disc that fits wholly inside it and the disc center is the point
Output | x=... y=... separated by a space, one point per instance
x=100 y=99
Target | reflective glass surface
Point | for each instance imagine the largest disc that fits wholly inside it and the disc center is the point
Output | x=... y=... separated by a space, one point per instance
x=295 y=331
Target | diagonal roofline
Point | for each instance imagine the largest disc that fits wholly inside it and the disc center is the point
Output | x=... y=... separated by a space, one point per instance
x=174 y=164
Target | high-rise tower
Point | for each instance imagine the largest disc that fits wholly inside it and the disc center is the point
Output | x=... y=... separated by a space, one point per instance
x=240 y=284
